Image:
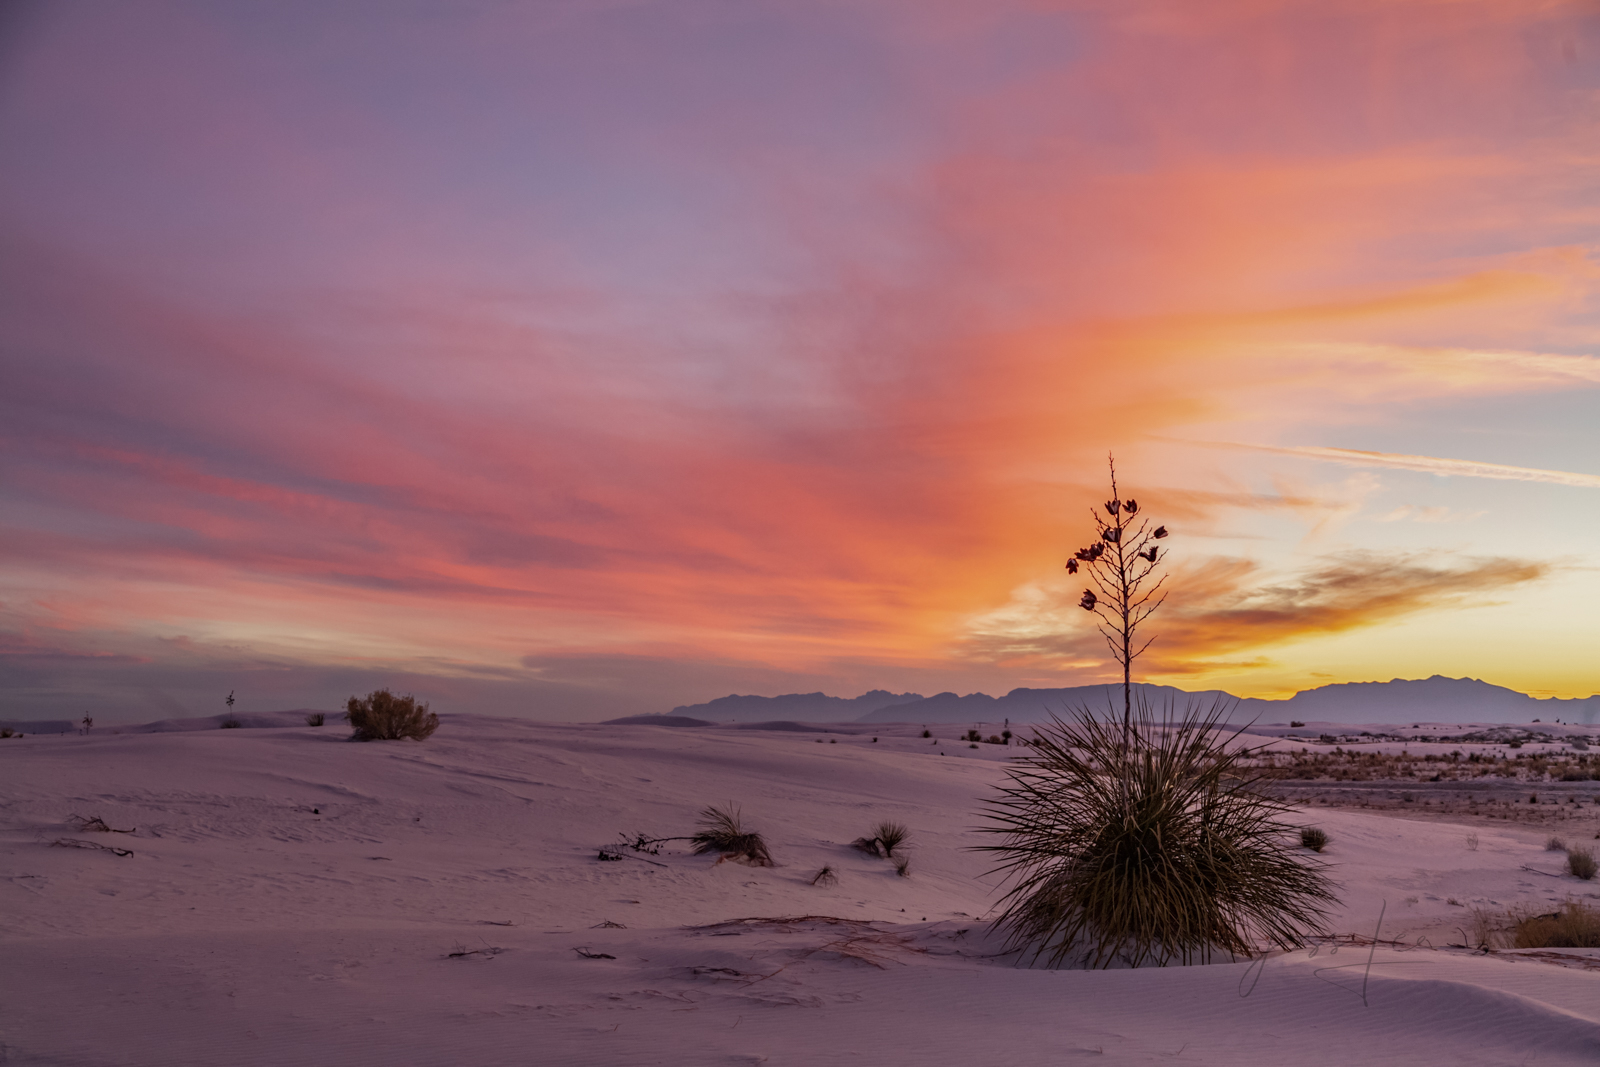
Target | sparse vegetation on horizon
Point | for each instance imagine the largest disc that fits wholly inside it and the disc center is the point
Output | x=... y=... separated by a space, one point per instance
x=382 y=716
x=316 y=718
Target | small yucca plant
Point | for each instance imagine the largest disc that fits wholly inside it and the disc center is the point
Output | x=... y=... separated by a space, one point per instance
x=721 y=831
x=382 y=716
x=1145 y=842
x=1314 y=838
x=891 y=835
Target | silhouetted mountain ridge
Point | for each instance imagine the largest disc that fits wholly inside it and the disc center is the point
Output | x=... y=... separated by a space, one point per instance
x=1437 y=699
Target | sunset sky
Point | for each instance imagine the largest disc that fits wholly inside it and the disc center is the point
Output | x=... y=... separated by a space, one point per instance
x=579 y=358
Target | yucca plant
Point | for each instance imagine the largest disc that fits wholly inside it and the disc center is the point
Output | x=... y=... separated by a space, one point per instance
x=1146 y=842
x=721 y=831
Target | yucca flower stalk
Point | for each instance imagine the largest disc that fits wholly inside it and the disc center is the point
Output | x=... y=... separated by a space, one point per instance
x=1120 y=563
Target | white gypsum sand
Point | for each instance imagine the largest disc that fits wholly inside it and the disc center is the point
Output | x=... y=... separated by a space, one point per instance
x=296 y=899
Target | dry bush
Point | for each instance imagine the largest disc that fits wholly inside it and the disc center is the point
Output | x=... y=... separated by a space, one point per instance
x=825 y=877
x=1576 y=925
x=1555 y=844
x=316 y=718
x=1581 y=864
x=1147 y=842
x=382 y=716
x=902 y=866
x=1487 y=927
x=1314 y=839
x=720 y=831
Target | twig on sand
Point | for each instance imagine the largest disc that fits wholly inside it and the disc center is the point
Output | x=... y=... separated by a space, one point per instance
x=614 y=852
x=95 y=824
x=73 y=842
x=1547 y=874
x=586 y=954
x=490 y=952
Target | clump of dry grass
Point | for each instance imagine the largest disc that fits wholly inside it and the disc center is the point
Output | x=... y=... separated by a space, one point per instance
x=1313 y=838
x=316 y=718
x=1581 y=863
x=1555 y=844
x=1148 y=844
x=902 y=866
x=825 y=877
x=382 y=716
x=720 y=831
x=1576 y=925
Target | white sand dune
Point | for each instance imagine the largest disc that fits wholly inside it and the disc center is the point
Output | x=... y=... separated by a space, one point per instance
x=295 y=899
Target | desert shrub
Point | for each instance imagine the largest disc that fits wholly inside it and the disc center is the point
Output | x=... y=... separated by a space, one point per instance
x=720 y=831
x=382 y=716
x=891 y=835
x=231 y=724
x=1472 y=842
x=927 y=733
x=1147 y=842
x=902 y=866
x=1314 y=839
x=1486 y=927
x=1576 y=925
x=1555 y=844
x=973 y=735
x=1580 y=864
x=316 y=718
x=825 y=877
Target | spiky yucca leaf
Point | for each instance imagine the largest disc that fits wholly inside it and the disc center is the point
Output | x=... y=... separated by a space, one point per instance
x=1148 y=845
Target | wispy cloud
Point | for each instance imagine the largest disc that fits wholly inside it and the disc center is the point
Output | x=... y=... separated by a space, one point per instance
x=1464 y=468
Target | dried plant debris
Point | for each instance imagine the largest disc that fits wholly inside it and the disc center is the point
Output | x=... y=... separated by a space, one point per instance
x=586 y=954
x=78 y=842
x=94 y=824
x=489 y=952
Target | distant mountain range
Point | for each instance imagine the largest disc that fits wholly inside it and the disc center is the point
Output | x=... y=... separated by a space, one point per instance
x=797 y=707
x=1436 y=699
